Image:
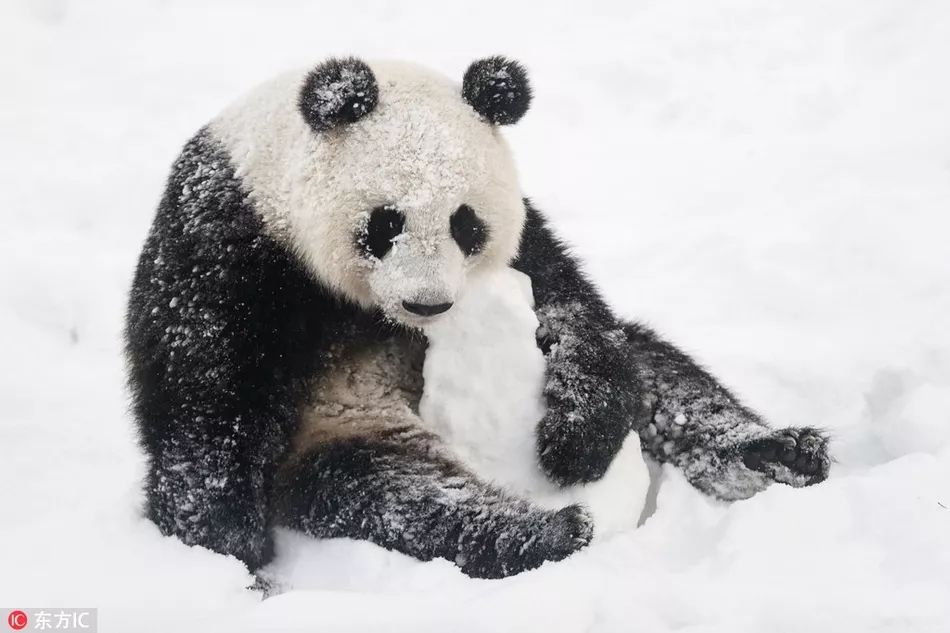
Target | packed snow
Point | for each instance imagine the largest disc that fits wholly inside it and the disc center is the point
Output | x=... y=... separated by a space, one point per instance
x=483 y=381
x=767 y=184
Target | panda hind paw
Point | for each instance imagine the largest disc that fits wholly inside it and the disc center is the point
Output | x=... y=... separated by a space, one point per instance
x=797 y=456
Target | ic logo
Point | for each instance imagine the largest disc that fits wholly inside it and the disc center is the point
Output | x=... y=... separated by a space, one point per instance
x=17 y=620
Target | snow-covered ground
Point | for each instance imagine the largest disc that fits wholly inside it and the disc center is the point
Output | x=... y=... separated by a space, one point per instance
x=766 y=183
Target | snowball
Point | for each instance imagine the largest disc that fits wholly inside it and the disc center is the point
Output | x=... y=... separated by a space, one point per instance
x=484 y=377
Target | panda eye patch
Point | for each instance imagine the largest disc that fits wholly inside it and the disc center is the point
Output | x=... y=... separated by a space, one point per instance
x=385 y=225
x=468 y=230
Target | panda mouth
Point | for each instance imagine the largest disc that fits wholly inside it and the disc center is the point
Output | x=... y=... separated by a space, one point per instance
x=416 y=321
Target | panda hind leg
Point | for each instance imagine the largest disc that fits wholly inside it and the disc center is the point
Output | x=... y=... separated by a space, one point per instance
x=401 y=490
x=689 y=419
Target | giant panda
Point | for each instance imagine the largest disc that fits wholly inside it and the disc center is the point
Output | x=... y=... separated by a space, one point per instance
x=306 y=237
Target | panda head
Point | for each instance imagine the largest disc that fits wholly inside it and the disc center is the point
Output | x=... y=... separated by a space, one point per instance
x=410 y=186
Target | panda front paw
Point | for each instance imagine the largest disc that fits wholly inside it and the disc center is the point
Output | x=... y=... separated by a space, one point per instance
x=794 y=456
x=570 y=529
x=571 y=452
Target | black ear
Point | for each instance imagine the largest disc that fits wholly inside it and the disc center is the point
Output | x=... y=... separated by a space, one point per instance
x=337 y=91
x=498 y=89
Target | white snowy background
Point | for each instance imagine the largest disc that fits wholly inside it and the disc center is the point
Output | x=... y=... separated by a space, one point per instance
x=768 y=183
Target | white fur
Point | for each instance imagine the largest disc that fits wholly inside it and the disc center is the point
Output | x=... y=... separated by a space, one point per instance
x=423 y=150
x=484 y=376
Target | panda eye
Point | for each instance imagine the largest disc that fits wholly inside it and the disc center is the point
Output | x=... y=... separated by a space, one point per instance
x=468 y=230
x=385 y=224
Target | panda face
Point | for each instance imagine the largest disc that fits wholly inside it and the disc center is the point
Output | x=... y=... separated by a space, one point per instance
x=414 y=277
x=393 y=210
x=426 y=194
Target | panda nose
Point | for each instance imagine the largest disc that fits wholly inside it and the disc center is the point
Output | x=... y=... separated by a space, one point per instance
x=426 y=309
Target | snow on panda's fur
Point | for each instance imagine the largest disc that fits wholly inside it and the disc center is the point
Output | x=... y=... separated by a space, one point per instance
x=484 y=379
x=304 y=238
x=422 y=151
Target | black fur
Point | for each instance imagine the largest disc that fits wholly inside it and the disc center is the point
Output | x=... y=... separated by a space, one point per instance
x=498 y=89
x=384 y=225
x=468 y=230
x=800 y=449
x=221 y=331
x=689 y=419
x=337 y=92
x=394 y=490
x=591 y=389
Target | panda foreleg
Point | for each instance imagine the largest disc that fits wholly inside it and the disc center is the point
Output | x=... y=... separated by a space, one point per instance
x=590 y=390
x=400 y=491
x=221 y=332
x=724 y=448
x=208 y=484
